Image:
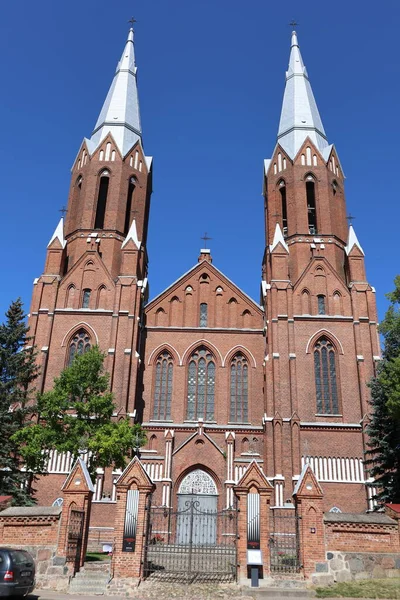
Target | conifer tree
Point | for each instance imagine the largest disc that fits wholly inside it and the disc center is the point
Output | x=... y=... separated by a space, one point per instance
x=383 y=456
x=78 y=416
x=18 y=371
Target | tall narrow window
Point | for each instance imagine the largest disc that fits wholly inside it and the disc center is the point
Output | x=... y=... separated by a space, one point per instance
x=201 y=385
x=86 y=298
x=325 y=377
x=163 y=387
x=239 y=390
x=102 y=200
x=311 y=206
x=129 y=199
x=79 y=344
x=321 y=304
x=282 y=191
x=203 y=314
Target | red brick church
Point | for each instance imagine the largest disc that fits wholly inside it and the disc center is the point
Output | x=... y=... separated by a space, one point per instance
x=217 y=379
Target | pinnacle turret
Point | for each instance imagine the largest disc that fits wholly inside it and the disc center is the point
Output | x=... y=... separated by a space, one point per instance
x=299 y=117
x=120 y=114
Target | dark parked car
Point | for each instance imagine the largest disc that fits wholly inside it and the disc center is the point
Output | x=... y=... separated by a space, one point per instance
x=17 y=572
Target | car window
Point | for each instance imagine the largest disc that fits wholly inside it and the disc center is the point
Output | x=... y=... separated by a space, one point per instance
x=20 y=558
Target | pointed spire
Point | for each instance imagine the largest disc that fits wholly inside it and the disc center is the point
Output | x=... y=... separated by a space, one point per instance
x=278 y=238
x=58 y=234
x=353 y=241
x=132 y=235
x=120 y=114
x=299 y=117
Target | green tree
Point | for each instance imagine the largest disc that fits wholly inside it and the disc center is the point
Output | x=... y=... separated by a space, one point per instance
x=383 y=455
x=76 y=416
x=18 y=371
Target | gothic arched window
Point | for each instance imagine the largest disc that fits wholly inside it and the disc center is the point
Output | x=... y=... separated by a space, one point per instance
x=282 y=191
x=163 y=387
x=326 y=377
x=239 y=390
x=79 y=344
x=102 y=200
x=86 y=298
x=129 y=198
x=321 y=304
x=203 y=315
x=311 y=205
x=201 y=385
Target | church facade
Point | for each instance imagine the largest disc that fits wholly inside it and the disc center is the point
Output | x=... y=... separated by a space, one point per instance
x=217 y=379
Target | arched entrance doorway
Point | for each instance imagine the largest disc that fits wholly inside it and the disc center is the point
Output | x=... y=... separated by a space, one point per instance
x=197 y=509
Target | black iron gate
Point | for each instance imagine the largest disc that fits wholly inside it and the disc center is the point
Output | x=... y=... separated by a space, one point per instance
x=75 y=534
x=284 y=541
x=193 y=543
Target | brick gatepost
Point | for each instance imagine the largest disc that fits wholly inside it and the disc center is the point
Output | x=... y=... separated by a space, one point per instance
x=308 y=497
x=133 y=490
x=78 y=493
x=253 y=482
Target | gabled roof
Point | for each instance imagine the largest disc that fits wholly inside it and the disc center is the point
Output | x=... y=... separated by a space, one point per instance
x=79 y=467
x=58 y=234
x=197 y=267
x=353 y=241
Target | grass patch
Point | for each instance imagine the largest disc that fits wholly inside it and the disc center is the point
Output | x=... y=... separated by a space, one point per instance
x=96 y=556
x=365 y=588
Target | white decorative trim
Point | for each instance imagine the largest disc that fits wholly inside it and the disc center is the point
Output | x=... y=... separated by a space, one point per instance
x=166 y=346
x=76 y=328
x=245 y=350
x=327 y=332
x=193 y=347
x=336 y=469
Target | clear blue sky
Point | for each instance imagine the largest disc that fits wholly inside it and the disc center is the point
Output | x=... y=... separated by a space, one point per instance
x=211 y=79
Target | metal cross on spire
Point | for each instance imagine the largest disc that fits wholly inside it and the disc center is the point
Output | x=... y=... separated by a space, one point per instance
x=293 y=24
x=350 y=218
x=132 y=21
x=63 y=211
x=205 y=238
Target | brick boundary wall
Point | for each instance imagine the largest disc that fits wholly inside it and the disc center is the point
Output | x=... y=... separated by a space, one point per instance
x=348 y=532
x=36 y=529
x=358 y=546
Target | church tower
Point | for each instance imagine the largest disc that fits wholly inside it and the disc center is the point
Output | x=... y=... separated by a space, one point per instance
x=320 y=311
x=93 y=287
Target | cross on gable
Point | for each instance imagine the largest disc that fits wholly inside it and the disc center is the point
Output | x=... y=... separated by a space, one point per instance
x=205 y=238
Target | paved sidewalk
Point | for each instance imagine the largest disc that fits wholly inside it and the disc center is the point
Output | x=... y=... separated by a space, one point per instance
x=181 y=592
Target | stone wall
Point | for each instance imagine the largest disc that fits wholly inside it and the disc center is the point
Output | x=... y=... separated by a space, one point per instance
x=36 y=529
x=358 y=546
x=346 y=566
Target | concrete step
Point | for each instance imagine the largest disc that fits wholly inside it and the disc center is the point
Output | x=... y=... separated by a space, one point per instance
x=88 y=591
x=279 y=592
x=89 y=575
x=100 y=565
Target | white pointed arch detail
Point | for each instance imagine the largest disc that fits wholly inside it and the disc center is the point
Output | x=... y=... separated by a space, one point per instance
x=167 y=347
x=76 y=327
x=329 y=334
x=198 y=481
x=236 y=349
x=201 y=342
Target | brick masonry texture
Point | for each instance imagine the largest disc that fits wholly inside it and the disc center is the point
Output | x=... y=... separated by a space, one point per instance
x=277 y=336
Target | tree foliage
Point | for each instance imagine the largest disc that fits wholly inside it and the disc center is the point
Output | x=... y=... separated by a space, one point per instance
x=18 y=371
x=383 y=456
x=76 y=416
